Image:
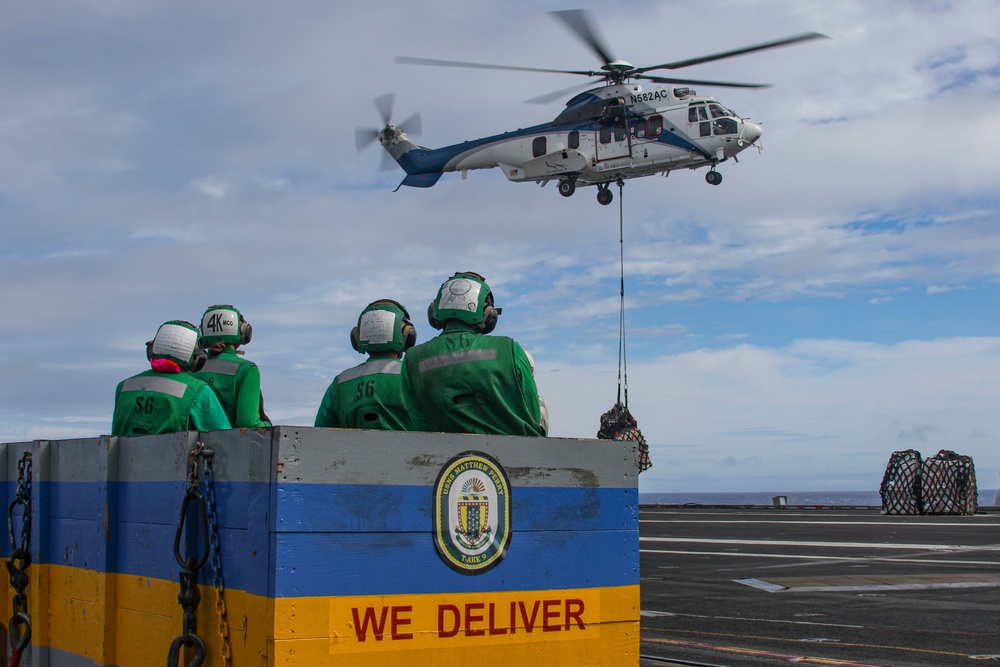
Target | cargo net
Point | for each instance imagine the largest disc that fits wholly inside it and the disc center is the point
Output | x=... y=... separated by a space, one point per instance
x=900 y=488
x=619 y=424
x=949 y=484
x=942 y=484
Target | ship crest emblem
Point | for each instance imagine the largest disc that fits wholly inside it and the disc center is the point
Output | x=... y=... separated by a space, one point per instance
x=472 y=523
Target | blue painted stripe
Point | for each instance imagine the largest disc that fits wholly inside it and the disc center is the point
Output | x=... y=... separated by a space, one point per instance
x=343 y=507
x=328 y=564
x=342 y=539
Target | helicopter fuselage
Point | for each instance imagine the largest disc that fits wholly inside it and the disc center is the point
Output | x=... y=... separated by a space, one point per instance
x=604 y=135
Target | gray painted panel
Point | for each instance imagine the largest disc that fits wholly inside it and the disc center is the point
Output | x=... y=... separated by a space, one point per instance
x=320 y=455
x=337 y=456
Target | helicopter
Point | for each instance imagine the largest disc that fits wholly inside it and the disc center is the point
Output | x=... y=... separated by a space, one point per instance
x=605 y=134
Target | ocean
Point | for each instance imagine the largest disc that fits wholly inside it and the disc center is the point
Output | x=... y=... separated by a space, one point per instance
x=987 y=498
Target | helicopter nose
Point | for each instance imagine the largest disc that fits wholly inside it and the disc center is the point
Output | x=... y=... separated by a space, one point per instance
x=751 y=132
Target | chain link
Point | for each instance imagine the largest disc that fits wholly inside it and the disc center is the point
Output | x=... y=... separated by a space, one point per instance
x=19 y=626
x=216 y=559
x=190 y=564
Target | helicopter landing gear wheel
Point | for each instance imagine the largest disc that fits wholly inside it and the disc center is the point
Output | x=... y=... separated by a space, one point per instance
x=604 y=195
x=713 y=177
x=567 y=187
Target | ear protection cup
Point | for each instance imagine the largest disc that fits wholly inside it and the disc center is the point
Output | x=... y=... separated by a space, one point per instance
x=246 y=331
x=490 y=317
x=434 y=322
x=409 y=335
x=197 y=361
x=355 y=339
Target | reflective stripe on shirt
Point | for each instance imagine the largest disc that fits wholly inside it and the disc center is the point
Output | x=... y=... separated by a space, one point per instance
x=160 y=385
x=460 y=357
x=220 y=366
x=378 y=367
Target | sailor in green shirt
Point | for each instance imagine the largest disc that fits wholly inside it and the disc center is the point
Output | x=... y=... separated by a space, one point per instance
x=235 y=380
x=168 y=398
x=370 y=395
x=465 y=381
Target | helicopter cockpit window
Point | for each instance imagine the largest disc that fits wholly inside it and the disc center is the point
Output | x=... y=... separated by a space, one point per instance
x=719 y=111
x=655 y=126
x=538 y=147
x=724 y=126
x=573 y=140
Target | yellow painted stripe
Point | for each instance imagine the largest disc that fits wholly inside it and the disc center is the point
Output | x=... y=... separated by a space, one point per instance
x=460 y=622
x=131 y=620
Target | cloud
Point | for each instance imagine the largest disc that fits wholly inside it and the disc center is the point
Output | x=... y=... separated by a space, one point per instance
x=830 y=295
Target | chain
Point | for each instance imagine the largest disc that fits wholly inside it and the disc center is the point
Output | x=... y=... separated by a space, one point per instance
x=189 y=596
x=19 y=627
x=216 y=559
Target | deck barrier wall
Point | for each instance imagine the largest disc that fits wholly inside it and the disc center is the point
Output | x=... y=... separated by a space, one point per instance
x=328 y=549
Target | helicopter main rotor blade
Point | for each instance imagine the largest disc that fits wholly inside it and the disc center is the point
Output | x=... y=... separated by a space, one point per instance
x=557 y=94
x=579 y=22
x=795 y=39
x=698 y=82
x=409 y=60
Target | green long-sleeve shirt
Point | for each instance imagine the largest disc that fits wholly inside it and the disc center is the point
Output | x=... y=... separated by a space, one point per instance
x=236 y=383
x=366 y=396
x=465 y=382
x=151 y=403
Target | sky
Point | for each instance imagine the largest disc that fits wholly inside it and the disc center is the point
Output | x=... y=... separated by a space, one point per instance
x=834 y=300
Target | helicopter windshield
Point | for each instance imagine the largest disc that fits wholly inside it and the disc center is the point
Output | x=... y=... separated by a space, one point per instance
x=719 y=111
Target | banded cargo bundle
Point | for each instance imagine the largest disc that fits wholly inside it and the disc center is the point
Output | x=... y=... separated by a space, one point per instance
x=949 y=484
x=619 y=424
x=901 y=483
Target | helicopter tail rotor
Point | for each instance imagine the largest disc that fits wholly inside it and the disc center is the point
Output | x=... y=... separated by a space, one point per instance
x=364 y=137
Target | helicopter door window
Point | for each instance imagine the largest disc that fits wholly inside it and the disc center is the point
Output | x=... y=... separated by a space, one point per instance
x=621 y=131
x=640 y=128
x=604 y=136
x=698 y=114
x=655 y=126
x=538 y=147
x=573 y=140
x=704 y=127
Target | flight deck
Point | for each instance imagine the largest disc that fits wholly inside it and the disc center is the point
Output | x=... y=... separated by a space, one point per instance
x=845 y=586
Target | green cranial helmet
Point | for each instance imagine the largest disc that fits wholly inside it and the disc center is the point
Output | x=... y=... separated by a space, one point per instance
x=465 y=297
x=224 y=323
x=175 y=340
x=384 y=326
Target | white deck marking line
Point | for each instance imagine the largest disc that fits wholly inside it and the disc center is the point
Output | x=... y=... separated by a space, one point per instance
x=978 y=526
x=761 y=584
x=795 y=543
x=867 y=559
x=775 y=588
x=658 y=614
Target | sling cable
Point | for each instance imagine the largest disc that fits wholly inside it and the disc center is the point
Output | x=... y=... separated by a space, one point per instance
x=618 y=423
